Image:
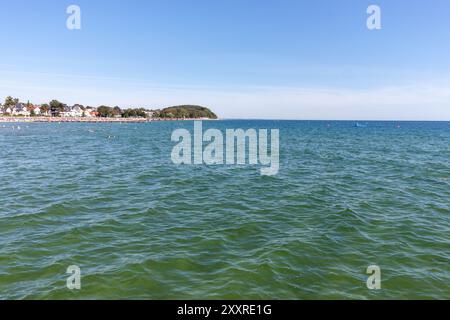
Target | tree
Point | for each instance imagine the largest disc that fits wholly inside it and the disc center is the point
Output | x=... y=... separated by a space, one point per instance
x=55 y=104
x=44 y=108
x=116 y=111
x=134 y=113
x=105 y=111
x=9 y=102
x=45 y=105
x=56 y=107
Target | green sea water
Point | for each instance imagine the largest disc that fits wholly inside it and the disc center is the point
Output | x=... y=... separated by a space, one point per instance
x=107 y=198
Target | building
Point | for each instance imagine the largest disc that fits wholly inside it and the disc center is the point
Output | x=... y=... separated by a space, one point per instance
x=20 y=109
x=36 y=110
x=77 y=110
x=90 y=112
x=72 y=111
x=149 y=113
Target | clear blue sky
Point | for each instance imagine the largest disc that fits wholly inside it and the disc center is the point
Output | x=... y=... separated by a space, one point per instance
x=297 y=59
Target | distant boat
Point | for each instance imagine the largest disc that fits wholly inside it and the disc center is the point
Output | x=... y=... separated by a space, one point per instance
x=360 y=125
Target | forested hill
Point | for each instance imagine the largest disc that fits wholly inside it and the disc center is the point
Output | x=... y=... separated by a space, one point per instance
x=187 y=111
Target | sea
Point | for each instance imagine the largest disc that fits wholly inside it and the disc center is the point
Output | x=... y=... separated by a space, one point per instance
x=349 y=198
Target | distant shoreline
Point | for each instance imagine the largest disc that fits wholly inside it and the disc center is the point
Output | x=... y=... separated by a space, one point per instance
x=9 y=119
x=90 y=120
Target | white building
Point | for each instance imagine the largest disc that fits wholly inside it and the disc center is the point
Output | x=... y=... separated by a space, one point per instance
x=20 y=110
x=37 y=110
x=149 y=113
x=74 y=111
x=89 y=112
x=77 y=111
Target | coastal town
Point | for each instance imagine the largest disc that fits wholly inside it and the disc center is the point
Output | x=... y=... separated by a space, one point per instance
x=13 y=110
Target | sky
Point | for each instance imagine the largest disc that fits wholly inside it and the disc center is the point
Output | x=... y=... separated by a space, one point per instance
x=265 y=59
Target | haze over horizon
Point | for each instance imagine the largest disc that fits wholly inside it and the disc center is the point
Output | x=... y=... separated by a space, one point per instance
x=258 y=60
